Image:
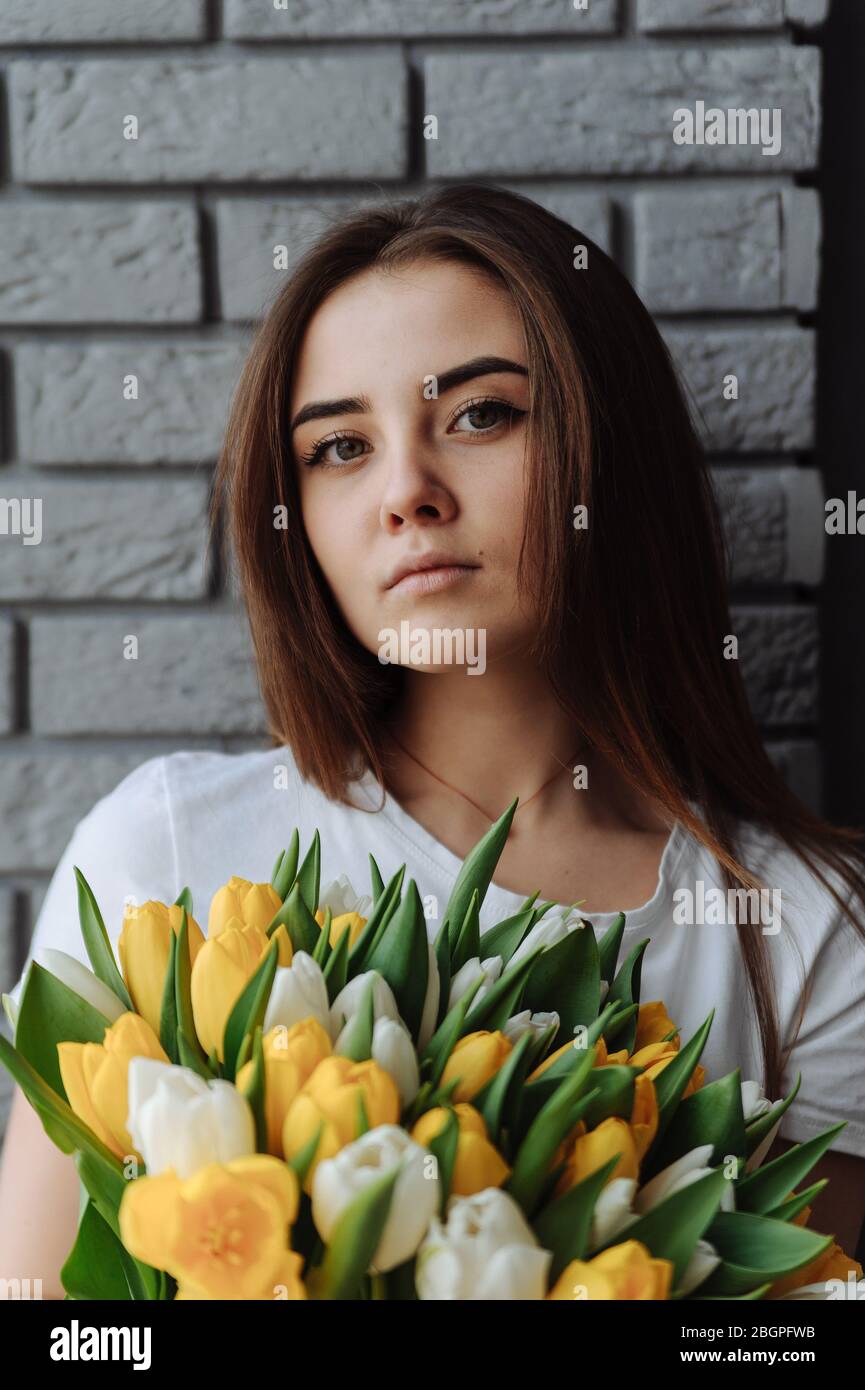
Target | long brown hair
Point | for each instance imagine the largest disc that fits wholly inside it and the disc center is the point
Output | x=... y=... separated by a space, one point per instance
x=635 y=608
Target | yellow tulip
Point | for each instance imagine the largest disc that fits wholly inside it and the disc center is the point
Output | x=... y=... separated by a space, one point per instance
x=350 y=921
x=478 y=1163
x=253 y=904
x=331 y=1095
x=832 y=1264
x=644 y=1114
x=291 y=1055
x=655 y=1056
x=222 y=1233
x=591 y=1151
x=653 y=1024
x=143 y=948
x=624 y=1272
x=222 y=969
x=476 y=1058
x=95 y=1078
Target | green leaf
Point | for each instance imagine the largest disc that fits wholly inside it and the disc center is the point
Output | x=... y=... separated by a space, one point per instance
x=285 y=868
x=504 y=938
x=303 y=929
x=336 y=969
x=566 y=980
x=446 y=1036
x=478 y=869
x=546 y=1132
x=322 y=945
x=50 y=1013
x=249 y=1009
x=757 y=1130
x=626 y=989
x=401 y=956
x=378 y=919
x=97 y=943
x=190 y=1055
x=444 y=1146
x=302 y=1160
x=771 y=1183
x=672 y=1228
x=609 y=946
x=254 y=1090
x=789 y=1210
x=183 y=996
x=309 y=875
x=565 y=1224
x=711 y=1115
x=168 y=1011
x=94 y=1268
x=357 y=1041
x=376 y=880
x=355 y=1239
x=755 y=1249
x=468 y=941
x=669 y=1085
x=184 y=899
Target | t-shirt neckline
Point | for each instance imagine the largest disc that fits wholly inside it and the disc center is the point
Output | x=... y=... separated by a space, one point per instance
x=443 y=859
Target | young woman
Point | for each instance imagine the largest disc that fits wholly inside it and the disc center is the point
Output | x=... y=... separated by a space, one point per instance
x=448 y=425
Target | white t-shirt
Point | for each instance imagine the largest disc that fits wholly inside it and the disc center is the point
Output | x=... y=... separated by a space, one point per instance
x=198 y=817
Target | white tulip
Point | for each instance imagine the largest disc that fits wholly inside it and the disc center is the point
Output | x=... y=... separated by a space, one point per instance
x=488 y=971
x=756 y=1103
x=552 y=927
x=393 y=1049
x=689 y=1168
x=340 y=897
x=299 y=991
x=485 y=1249
x=431 y=1000
x=76 y=976
x=350 y=997
x=178 y=1120
x=605 y=988
x=527 y=1022
x=704 y=1259
x=613 y=1211
x=416 y=1193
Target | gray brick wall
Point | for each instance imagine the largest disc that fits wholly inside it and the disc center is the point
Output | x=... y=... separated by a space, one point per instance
x=153 y=258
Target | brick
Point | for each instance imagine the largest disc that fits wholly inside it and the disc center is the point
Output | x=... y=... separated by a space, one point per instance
x=539 y=113
x=654 y=16
x=773 y=519
x=293 y=116
x=70 y=406
x=740 y=248
x=92 y=262
x=143 y=539
x=101 y=21
x=249 y=229
x=779 y=653
x=194 y=674
x=333 y=19
x=776 y=369
x=7 y=663
x=44 y=793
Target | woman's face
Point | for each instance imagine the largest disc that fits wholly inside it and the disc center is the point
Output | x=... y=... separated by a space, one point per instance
x=388 y=470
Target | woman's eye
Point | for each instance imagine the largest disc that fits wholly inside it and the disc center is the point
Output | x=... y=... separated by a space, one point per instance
x=344 y=444
x=485 y=415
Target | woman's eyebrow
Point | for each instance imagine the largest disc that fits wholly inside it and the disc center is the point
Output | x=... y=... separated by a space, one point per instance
x=360 y=405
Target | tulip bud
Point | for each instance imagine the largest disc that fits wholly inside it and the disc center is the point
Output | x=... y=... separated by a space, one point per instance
x=485 y=1249
x=331 y=1097
x=299 y=992
x=291 y=1055
x=474 y=1059
x=253 y=904
x=415 y=1198
x=222 y=969
x=478 y=1163
x=178 y=1120
x=95 y=1078
x=143 y=948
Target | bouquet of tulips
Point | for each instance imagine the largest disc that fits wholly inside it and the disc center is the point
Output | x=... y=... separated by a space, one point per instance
x=314 y=1101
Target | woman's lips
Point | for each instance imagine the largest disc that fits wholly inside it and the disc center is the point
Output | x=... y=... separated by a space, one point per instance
x=431 y=580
